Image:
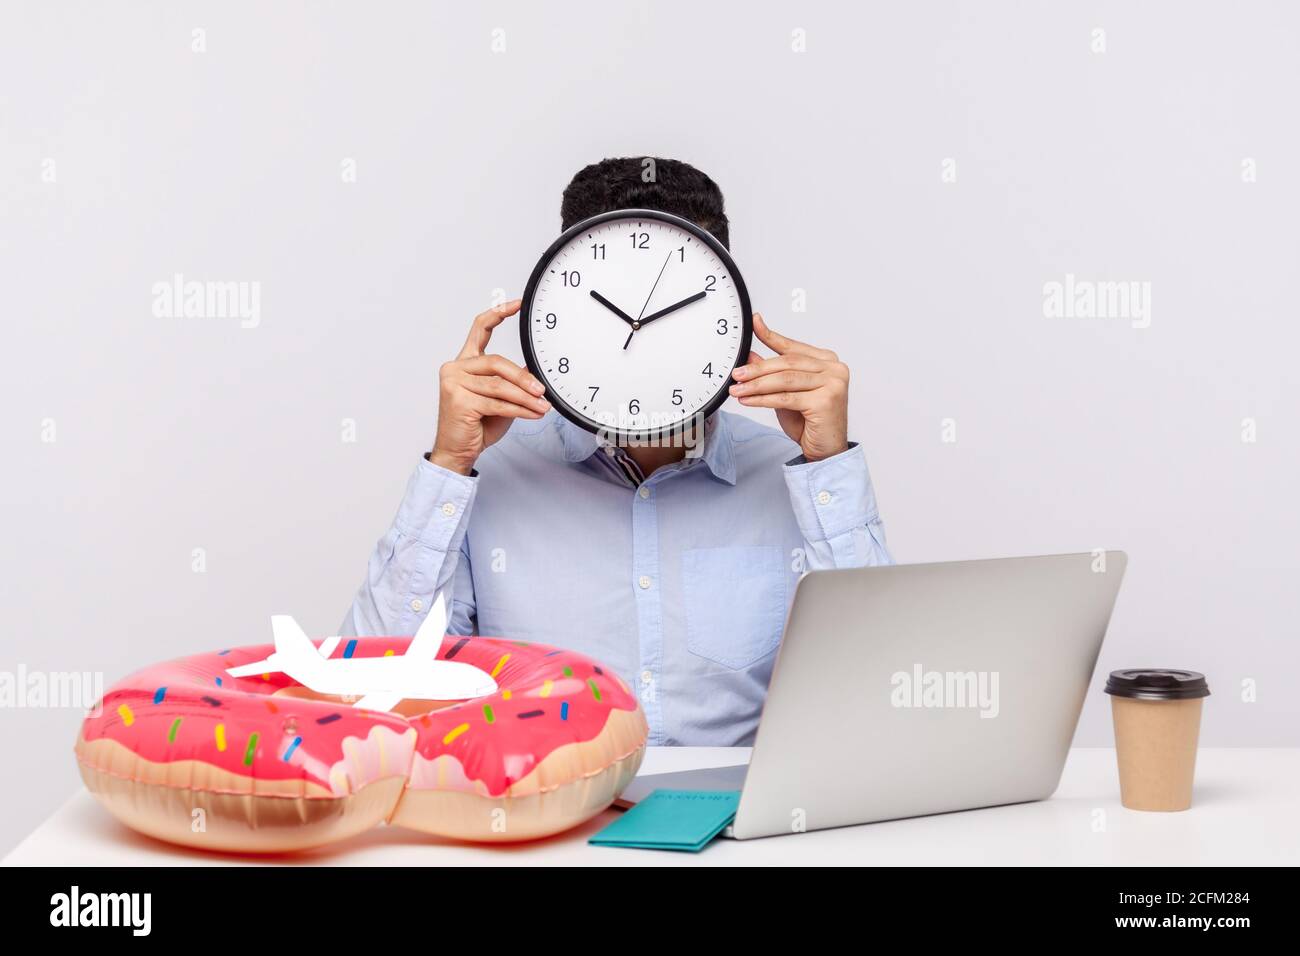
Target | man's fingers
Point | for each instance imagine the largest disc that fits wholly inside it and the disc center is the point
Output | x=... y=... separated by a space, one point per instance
x=492 y=386
x=774 y=340
x=786 y=381
x=480 y=332
x=782 y=344
x=502 y=409
x=798 y=401
x=757 y=366
x=502 y=366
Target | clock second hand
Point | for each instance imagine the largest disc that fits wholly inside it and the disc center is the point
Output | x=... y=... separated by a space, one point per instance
x=637 y=323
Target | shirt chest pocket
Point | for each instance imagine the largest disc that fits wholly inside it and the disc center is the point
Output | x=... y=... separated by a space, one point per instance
x=735 y=603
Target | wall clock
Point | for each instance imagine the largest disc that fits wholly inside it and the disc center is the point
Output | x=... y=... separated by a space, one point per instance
x=634 y=320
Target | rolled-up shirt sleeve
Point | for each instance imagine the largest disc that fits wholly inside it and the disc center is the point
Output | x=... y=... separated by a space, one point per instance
x=419 y=557
x=835 y=505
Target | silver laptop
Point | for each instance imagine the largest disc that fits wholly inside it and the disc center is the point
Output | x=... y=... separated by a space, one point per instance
x=913 y=689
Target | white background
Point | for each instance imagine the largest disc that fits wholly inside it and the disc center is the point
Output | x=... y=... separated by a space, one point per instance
x=176 y=434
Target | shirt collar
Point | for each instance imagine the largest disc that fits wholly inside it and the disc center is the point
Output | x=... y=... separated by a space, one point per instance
x=718 y=452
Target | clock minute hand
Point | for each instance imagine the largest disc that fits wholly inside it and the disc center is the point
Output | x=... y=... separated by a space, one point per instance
x=674 y=307
x=612 y=307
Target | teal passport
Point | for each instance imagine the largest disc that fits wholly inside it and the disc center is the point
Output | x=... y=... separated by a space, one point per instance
x=672 y=820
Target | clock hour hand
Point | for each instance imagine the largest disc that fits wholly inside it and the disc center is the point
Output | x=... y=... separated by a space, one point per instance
x=612 y=307
x=673 y=308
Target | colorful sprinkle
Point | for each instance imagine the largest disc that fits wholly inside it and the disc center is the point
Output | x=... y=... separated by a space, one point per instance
x=598 y=671
x=210 y=700
x=530 y=713
x=456 y=648
x=223 y=653
x=454 y=733
x=292 y=747
x=159 y=694
x=568 y=671
x=329 y=718
x=595 y=691
x=553 y=653
x=546 y=687
x=251 y=749
x=270 y=705
x=351 y=648
x=218 y=681
x=500 y=664
x=220 y=733
x=564 y=711
x=507 y=694
x=266 y=676
x=488 y=715
x=171 y=734
x=388 y=653
x=124 y=712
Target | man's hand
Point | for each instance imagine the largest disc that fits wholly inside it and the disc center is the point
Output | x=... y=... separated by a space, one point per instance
x=808 y=387
x=480 y=395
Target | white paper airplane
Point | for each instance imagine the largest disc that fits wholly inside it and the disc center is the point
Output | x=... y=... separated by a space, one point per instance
x=380 y=682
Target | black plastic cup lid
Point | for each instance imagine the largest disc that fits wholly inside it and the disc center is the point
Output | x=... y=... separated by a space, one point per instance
x=1156 y=683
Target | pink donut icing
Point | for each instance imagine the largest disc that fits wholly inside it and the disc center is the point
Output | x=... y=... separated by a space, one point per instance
x=190 y=709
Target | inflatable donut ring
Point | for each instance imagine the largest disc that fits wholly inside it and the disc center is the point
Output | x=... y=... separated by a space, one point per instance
x=183 y=752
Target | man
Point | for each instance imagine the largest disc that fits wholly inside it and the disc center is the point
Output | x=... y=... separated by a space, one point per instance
x=673 y=568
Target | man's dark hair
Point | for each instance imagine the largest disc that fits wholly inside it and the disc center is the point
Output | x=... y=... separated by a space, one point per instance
x=645 y=182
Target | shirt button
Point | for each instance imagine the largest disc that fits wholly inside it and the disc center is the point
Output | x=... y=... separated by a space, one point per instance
x=417 y=604
x=823 y=497
x=644 y=492
x=449 y=509
x=646 y=677
x=644 y=582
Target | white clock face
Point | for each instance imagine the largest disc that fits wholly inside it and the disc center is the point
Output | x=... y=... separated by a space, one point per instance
x=635 y=323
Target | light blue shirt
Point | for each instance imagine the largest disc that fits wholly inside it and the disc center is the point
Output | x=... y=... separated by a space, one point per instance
x=680 y=582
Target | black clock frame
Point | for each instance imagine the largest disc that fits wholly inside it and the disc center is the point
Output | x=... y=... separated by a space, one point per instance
x=623 y=435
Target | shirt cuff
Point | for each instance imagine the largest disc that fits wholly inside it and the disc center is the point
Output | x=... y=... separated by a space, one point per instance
x=831 y=496
x=436 y=504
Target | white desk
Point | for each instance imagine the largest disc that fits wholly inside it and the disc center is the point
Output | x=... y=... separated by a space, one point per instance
x=1247 y=812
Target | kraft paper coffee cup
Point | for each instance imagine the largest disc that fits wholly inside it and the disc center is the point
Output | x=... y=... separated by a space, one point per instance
x=1157 y=722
